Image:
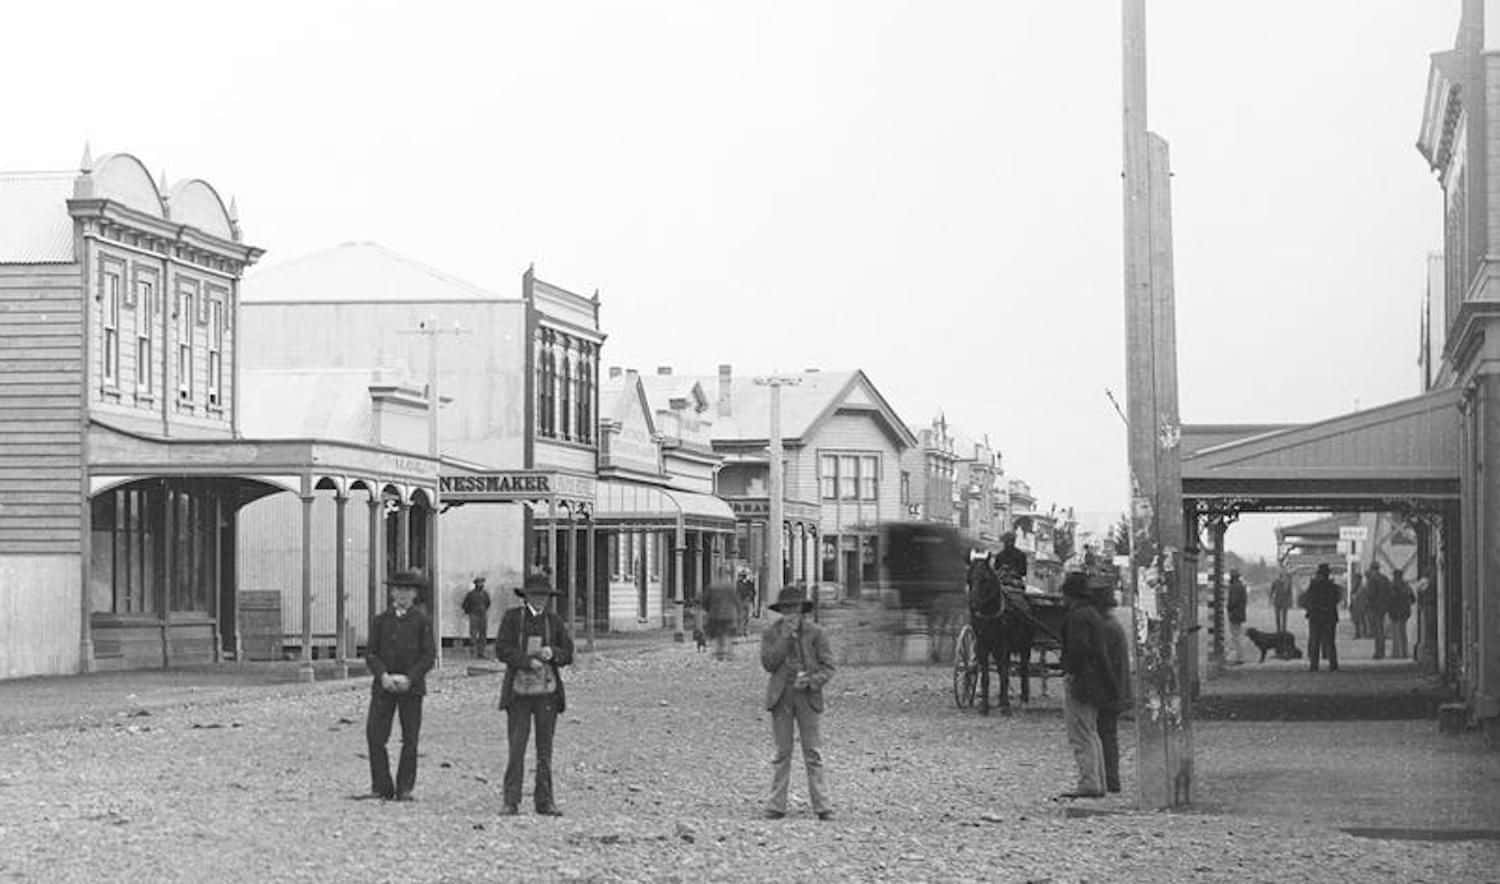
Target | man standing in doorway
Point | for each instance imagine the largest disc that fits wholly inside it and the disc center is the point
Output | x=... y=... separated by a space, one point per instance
x=1377 y=605
x=477 y=609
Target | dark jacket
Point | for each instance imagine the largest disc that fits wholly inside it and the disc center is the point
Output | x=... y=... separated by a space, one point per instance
x=1321 y=600
x=1117 y=655
x=1402 y=597
x=1235 y=604
x=1012 y=560
x=780 y=650
x=1378 y=595
x=401 y=646
x=476 y=602
x=510 y=648
x=1083 y=656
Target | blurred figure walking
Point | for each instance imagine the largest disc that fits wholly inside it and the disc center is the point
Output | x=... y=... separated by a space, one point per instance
x=721 y=609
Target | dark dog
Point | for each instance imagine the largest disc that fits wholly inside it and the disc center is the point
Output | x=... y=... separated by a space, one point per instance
x=700 y=639
x=1282 y=644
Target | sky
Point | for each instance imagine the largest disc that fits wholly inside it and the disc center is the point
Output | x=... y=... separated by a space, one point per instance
x=927 y=191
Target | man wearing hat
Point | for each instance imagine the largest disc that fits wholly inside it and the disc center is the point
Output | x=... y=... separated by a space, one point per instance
x=400 y=653
x=476 y=607
x=534 y=644
x=1090 y=684
x=796 y=654
x=1010 y=562
x=1321 y=600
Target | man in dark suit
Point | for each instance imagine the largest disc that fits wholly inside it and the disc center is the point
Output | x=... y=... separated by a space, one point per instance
x=1090 y=684
x=534 y=644
x=400 y=653
x=1010 y=562
x=797 y=655
x=476 y=607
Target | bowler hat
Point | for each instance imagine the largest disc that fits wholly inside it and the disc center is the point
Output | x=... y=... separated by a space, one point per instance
x=409 y=577
x=1323 y=570
x=791 y=597
x=536 y=584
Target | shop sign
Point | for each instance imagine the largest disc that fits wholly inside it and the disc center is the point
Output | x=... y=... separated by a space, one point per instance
x=514 y=485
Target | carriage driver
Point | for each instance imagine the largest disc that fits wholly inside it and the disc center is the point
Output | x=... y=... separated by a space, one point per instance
x=1009 y=559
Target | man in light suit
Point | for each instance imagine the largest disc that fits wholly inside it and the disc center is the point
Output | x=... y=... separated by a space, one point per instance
x=796 y=654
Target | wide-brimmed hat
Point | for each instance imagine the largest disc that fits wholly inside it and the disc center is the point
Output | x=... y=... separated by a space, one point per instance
x=409 y=578
x=791 y=597
x=536 y=584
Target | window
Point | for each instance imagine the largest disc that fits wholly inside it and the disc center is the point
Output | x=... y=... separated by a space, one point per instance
x=828 y=472
x=830 y=557
x=145 y=327
x=869 y=472
x=185 y=345
x=848 y=477
x=215 y=350
x=565 y=389
x=565 y=385
x=111 y=322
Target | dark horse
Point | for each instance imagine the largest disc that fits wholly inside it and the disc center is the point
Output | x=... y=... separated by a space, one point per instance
x=1006 y=626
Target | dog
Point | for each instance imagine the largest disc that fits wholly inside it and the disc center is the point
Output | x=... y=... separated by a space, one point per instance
x=700 y=639
x=1282 y=644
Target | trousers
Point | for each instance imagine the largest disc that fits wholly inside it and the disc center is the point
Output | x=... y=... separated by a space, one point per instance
x=1399 y=647
x=518 y=718
x=1320 y=641
x=1377 y=627
x=1236 y=645
x=1109 y=742
x=794 y=709
x=1082 y=721
x=478 y=625
x=384 y=706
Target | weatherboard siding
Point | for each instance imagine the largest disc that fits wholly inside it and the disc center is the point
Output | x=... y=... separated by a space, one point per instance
x=41 y=439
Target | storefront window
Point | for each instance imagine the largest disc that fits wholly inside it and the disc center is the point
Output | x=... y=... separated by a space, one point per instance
x=830 y=558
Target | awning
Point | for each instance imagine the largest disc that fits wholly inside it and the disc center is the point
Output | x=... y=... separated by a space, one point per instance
x=620 y=502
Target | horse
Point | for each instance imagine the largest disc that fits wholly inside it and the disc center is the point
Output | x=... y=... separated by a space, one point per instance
x=1005 y=626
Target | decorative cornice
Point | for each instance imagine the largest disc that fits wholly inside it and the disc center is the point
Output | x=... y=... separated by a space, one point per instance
x=114 y=221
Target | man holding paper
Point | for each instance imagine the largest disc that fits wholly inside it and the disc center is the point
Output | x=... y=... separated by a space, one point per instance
x=534 y=644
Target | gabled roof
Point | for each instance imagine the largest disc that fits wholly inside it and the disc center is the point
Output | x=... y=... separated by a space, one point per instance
x=618 y=395
x=356 y=272
x=805 y=406
x=1402 y=450
x=35 y=227
x=661 y=389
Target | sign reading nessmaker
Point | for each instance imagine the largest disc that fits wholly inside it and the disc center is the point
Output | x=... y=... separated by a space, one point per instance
x=508 y=485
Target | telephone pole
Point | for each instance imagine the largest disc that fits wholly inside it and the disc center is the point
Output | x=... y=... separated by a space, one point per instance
x=1161 y=597
x=429 y=329
x=776 y=516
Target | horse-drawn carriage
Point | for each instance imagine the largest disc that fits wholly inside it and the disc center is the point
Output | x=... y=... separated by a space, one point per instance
x=1028 y=621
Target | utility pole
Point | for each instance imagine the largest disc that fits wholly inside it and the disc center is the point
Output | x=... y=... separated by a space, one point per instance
x=777 y=516
x=429 y=328
x=1160 y=598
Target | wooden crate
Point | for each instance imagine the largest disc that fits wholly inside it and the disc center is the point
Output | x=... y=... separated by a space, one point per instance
x=260 y=624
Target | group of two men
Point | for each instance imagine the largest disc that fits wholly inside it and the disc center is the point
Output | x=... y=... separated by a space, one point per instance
x=532 y=641
x=1096 y=663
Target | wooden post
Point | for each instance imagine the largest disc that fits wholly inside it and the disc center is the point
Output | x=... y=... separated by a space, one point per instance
x=588 y=583
x=340 y=605
x=306 y=668
x=1164 y=737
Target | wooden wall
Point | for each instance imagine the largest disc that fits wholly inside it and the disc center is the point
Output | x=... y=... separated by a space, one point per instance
x=41 y=436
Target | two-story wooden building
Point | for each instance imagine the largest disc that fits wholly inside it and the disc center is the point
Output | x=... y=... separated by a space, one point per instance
x=123 y=467
x=843 y=447
x=348 y=336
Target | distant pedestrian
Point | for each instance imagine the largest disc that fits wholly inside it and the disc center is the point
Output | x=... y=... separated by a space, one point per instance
x=1321 y=600
x=476 y=607
x=1377 y=605
x=534 y=644
x=721 y=609
x=795 y=651
x=1281 y=598
x=1117 y=656
x=744 y=587
x=400 y=653
x=1359 y=608
x=1235 y=609
x=1399 y=610
x=1089 y=685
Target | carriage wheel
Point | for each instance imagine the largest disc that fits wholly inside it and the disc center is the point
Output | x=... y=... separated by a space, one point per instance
x=965 y=669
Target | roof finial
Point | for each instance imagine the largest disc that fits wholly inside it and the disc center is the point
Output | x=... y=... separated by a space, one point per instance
x=87 y=163
x=234 y=209
x=162 y=184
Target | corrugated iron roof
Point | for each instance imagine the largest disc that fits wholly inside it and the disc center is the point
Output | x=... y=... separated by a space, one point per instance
x=35 y=227
x=311 y=404
x=355 y=272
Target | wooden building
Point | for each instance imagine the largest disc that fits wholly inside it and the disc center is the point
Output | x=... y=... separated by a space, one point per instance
x=517 y=379
x=123 y=467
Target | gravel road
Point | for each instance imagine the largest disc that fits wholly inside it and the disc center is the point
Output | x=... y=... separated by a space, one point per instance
x=661 y=761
